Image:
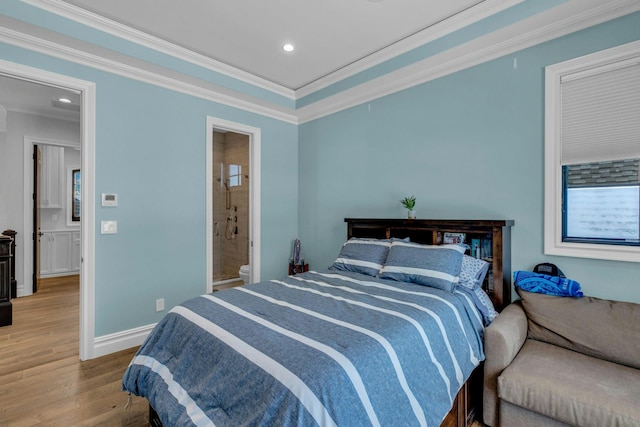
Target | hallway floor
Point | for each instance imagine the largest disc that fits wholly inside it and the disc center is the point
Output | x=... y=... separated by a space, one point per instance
x=42 y=380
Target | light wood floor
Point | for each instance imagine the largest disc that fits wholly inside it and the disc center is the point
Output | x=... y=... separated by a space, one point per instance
x=42 y=380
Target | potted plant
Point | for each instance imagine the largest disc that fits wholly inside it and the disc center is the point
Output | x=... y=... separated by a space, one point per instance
x=409 y=203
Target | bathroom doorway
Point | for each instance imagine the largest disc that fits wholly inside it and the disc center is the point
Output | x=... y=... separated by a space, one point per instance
x=230 y=206
x=231 y=158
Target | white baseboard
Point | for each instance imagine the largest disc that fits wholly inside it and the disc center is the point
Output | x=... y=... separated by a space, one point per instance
x=62 y=274
x=119 y=341
x=20 y=292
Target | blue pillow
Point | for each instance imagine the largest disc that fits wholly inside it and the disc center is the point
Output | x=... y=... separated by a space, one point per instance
x=430 y=265
x=364 y=256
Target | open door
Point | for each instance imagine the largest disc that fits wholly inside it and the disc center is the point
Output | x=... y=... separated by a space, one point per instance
x=37 y=234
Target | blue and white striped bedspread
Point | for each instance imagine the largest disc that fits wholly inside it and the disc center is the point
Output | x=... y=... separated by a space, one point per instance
x=313 y=349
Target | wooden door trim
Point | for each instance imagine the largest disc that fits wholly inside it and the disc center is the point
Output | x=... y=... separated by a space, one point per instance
x=35 y=229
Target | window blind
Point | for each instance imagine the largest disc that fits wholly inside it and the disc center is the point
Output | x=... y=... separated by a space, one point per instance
x=600 y=114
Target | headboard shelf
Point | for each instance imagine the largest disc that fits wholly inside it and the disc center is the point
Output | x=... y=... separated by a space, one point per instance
x=431 y=231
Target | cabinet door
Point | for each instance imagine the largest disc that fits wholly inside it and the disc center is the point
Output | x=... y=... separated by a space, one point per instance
x=45 y=253
x=5 y=265
x=52 y=177
x=61 y=252
x=75 y=251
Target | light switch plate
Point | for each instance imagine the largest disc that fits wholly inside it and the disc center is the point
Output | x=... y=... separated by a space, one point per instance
x=108 y=227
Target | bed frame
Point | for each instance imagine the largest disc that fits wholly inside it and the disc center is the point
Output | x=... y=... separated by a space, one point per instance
x=467 y=405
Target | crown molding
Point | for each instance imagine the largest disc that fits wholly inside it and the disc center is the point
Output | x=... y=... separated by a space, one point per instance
x=569 y=17
x=524 y=34
x=72 y=51
x=447 y=26
x=39 y=113
x=109 y=26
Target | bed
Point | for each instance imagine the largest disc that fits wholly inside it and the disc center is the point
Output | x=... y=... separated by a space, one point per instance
x=339 y=346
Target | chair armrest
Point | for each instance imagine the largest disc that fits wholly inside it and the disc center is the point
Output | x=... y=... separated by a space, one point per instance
x=503 y=339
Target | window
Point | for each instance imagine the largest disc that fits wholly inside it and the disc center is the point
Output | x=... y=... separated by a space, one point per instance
x=235 y=175
x=602 y=203
x=592 y=156
x=75 y=195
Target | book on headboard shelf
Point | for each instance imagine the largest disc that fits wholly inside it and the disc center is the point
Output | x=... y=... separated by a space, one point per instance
x=481 y=248
x=450 y=238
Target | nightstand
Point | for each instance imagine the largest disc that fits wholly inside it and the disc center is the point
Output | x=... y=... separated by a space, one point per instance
x=298 y=268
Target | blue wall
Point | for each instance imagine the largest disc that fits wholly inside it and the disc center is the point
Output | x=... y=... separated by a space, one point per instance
x=152 y=153
x=469 y=145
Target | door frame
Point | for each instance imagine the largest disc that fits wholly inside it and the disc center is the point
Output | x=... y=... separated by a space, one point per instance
x=214 y=123
x=87 y=228
x=36 y=163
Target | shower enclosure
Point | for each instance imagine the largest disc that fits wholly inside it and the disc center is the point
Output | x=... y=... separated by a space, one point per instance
x=230 y=206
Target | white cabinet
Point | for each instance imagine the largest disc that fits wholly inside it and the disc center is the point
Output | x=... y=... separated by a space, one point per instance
x=75 y=251
x=51 y=177
x=45 y=253
x=59 y=253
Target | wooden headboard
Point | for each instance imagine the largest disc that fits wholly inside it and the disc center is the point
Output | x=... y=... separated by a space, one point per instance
x=496 y=233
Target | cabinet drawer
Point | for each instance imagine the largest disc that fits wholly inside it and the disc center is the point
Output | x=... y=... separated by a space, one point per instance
x=5 y=246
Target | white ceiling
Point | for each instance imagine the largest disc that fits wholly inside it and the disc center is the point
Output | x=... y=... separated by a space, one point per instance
x=248 y=34
x=35 y=98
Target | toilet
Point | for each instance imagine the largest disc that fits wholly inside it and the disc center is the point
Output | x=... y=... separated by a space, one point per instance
x=245 y=271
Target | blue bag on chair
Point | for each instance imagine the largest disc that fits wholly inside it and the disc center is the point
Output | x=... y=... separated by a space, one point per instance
x=545 y=284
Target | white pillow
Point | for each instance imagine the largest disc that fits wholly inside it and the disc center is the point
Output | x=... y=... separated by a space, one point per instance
x=472 y=272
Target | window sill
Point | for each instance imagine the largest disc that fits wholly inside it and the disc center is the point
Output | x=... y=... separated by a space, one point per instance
x=593 y=251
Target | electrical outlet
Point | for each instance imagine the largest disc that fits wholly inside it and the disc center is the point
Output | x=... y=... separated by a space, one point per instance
x=160 y=304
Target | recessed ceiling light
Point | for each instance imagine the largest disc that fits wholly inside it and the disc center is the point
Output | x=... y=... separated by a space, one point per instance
x=65 y=100
x=288 y=47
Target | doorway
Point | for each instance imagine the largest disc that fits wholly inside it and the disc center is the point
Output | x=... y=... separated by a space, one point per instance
x=56 y=195
x=230 y=206
x=21 y=210
x=233 y=189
